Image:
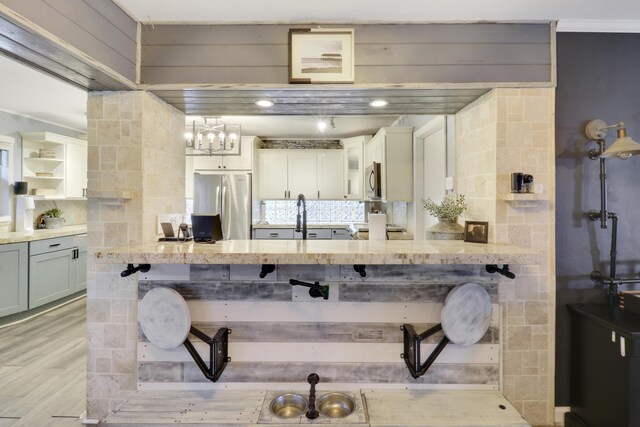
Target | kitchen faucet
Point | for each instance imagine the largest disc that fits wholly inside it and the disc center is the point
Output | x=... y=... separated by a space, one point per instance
x=302 y=200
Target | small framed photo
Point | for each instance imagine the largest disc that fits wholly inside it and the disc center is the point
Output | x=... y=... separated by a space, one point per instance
x=476 y=231
x=319 y=55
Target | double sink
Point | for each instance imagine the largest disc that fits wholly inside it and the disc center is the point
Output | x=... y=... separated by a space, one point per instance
x=332 y=406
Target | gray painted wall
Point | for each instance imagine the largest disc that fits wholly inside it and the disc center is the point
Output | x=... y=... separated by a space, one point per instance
x=598 y=77
x=99 y=28
x=393 y=53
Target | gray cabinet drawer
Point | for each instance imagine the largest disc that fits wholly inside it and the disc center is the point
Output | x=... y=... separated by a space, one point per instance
x=340 y=234
x=315 y=234
x=48 y=245
x=273 y=233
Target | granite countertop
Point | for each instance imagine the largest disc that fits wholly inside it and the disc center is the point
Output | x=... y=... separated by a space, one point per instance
x=336 y=252
x=323 y=225
x=30 y=236
x=391 y=235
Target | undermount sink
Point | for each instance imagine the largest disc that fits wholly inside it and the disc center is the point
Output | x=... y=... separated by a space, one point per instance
x=336 y=405
x=288 y=405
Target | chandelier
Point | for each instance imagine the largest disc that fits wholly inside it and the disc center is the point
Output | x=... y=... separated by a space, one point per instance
x=214 y=138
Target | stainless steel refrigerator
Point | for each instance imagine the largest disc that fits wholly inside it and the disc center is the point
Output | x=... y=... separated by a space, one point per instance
x=228 y=195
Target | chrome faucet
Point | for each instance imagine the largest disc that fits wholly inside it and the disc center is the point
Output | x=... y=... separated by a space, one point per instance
x=303 y=227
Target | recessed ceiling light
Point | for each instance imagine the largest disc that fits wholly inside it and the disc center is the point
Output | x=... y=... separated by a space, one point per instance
x=378 y=103
x=322 y=125
x=265 y=103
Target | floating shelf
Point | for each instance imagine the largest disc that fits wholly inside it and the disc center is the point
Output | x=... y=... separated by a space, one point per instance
x=58 y=178
x=115 y=194
x=524 y=200
x=43 y=160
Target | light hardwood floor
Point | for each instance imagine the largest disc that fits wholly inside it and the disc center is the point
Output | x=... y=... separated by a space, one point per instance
x=43 y=369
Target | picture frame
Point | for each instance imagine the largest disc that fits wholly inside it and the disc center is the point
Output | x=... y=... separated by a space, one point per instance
x=476 y=231
x=319 y=55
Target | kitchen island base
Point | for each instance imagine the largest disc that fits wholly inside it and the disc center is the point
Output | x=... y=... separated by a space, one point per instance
x=378 y=408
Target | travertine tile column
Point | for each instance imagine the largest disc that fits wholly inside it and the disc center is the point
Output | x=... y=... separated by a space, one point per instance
x=135 y=147
x=505 y=131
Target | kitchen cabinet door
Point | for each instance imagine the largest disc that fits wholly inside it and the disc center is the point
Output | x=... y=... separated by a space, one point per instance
x=272 y=174
x=14 y=270
x=79 y=261
x=75 y=168
x=303 y=174
x=330 y=175
x=207 y=163
x=50 y=277
x=353 y=167
x=245 y=160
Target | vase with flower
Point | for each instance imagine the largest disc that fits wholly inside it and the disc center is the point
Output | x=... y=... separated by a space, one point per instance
x=447 y=213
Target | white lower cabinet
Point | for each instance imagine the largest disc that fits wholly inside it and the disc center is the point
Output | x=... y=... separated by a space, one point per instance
x=14 y=271
x=57 y=268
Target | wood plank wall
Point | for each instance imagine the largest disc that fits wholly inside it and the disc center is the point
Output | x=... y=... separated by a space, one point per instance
x=390 y=53
x=98 y=28
x=280 y=335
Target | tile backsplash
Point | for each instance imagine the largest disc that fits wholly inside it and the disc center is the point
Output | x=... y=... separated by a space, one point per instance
x=73 y=211
x=318 y=211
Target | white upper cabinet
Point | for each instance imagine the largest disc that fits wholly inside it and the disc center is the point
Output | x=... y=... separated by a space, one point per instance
x=75 y=176
x=272 y=174
x=331 y=175
x=54 y=165
x=353 y=167
x=284 y=174
x=302 y=173
x=392 y=148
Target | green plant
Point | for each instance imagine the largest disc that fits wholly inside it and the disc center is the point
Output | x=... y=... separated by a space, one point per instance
x=53 y=213
x=451 y=207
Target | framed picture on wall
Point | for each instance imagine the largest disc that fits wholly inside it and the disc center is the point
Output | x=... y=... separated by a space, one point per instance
x=319 y=55
x=476 y=231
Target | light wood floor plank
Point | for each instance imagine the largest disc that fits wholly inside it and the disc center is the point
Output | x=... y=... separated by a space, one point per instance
x=43 y=369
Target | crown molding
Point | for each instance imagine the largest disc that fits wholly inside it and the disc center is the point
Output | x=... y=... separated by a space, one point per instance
x=598 y=26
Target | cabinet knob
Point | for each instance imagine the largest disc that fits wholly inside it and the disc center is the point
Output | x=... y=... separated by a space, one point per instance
x=224 y=167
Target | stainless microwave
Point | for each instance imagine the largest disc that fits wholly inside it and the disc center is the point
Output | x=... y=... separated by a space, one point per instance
x=373 y=181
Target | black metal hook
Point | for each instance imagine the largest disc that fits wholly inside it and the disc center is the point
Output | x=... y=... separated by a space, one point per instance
x=493 y=268
x=315 y=289
x=266 y=269
x=143 y=268
x=360 y=269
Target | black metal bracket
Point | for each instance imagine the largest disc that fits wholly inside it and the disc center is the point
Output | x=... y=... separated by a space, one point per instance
x=315 y=289
x=144 y=268
x=493 y=268
x=266 y=269
x=411 y=353
x=218 y=352
x=360 y=269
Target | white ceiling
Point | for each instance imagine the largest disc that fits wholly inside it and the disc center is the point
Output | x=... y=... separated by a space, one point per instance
x=32 y=93
x=355 y=11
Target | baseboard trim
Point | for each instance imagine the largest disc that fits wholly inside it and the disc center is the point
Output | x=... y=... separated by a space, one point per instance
x=559 y=414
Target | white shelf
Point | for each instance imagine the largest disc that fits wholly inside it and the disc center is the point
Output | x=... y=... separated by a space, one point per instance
x=58 y=198
x=43 y=160
x=525 y=197
x=54 y=178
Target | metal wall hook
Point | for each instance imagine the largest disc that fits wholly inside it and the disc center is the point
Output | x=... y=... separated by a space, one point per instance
x=360 y=269
x=315 y=289
x=493 y=268
x=266 y=269
x=143 y=268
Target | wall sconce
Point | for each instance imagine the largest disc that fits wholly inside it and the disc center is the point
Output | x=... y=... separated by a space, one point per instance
x=623 y=148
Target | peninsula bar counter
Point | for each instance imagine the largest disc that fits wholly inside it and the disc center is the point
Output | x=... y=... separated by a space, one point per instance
x=280 y=334
x=332 y=252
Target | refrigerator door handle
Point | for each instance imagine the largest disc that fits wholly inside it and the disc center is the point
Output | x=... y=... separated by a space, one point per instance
x=218 y=198
x=224 y=203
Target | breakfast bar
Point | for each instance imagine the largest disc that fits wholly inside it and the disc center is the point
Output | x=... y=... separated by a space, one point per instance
x=281 y=333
